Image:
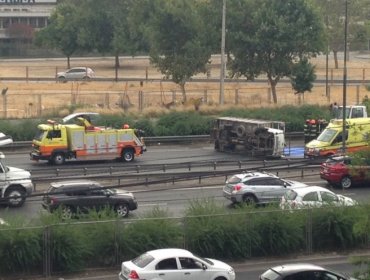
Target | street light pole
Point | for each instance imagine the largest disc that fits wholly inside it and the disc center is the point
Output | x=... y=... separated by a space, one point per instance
x=222 y=70
x=345 y=78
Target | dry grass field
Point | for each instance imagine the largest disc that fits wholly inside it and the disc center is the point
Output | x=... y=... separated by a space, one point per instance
x=36 y=98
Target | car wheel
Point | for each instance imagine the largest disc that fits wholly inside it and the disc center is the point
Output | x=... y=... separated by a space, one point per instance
x=59 y=159
x=346 y=182
x=86 y=78
x=15 y=196
x=128 y=155
x=67 y=212
x=122 y=210
x=62 y=79
x=220 y=278
x=249 y=199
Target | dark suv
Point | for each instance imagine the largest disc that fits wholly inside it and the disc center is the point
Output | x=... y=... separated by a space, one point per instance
x=81 y=195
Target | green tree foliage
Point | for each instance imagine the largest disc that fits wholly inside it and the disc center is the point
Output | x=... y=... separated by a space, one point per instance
x=178 y=41
x=62 y=31
x=303 y=76
x=333 y=14
x=269 y=36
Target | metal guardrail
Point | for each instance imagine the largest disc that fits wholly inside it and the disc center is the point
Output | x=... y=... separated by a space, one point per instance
x=185 y=139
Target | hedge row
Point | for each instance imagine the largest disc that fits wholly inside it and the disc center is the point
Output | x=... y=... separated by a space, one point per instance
x=180 y=123
x=206 y=229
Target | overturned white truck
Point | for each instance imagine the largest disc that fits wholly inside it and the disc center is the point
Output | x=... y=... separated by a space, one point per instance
x=255 y=137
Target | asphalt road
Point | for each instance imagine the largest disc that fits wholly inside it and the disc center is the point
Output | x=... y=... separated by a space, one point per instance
x=248 y=270
x=174 y=198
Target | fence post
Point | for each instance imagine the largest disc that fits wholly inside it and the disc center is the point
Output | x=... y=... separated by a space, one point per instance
x=357 y=94
x=39 y=105
x=236 y=96
x=27 y=74
x=146 y=73
x=5 y=104
x=46 y=252
x=363 y=75
x=205 y=96
x=309 y=232
x=106 y=101
x=141 y=100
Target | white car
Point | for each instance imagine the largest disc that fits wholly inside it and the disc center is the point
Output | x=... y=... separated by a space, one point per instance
x=76 y=73
x=174 y=264
x=313 y=196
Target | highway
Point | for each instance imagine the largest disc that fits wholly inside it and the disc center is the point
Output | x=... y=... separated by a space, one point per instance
x=176 y=198
x=172 y=197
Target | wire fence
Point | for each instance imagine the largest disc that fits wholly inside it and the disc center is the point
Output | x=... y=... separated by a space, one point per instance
x=113 y=241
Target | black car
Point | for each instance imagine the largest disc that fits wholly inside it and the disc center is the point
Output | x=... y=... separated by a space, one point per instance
x=82 y=195
x=302 y=271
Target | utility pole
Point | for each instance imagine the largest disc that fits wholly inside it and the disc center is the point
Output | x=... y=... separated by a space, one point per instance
x=345 y=79
x=222 y=70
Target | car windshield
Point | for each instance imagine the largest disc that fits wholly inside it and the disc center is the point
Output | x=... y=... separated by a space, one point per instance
x=40 y=135
x=327 y=135
x=205 y=260
x=290 y=195
x=335 y=160
x=143 y=260
x=270 y=275
x=234 y=180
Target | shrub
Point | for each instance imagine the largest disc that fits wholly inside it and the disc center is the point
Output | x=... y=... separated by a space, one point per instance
x=20 y=250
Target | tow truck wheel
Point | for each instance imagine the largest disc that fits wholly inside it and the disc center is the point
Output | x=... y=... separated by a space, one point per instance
x=128 y=155
x=346 y=182
x=16 y=196
x=58 y=159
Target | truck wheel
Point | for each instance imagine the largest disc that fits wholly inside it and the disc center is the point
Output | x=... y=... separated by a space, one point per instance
x=249 y=199
x=59 y=159
x=240 y=131
x=16 y=196
x=128 y=155
x=346 y=182
x=122 y=210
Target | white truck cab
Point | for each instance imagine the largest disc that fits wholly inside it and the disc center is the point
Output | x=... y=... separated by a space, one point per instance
x=352 y=112
x=15 y=184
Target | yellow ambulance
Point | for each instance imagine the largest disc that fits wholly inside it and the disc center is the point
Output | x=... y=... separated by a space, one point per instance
x=329 y=142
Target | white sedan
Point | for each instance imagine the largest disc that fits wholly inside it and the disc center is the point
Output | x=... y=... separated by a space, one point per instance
x=174 y=264
x=313 y=196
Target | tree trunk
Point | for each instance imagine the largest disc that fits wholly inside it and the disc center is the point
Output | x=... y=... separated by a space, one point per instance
x=335 y=52
x=182 y=86
x=273 y=83
x=68 y=62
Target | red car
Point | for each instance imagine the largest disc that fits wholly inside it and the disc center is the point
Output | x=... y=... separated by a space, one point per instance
x=339 y=172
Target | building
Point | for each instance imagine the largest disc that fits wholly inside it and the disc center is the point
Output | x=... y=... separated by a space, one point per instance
x=19 y=19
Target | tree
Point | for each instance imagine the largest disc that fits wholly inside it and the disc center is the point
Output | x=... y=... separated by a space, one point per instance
x=178 y=41
x=269 y=36
x=62 y=31
x=303 y=76
x=333 y=14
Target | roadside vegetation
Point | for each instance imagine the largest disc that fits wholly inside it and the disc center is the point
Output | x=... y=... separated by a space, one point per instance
x=178 y=122
x=207 y=229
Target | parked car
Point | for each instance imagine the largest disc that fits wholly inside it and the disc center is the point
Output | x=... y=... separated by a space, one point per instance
x=313 y=196
x=339 y=171
x=257 y=188
x=76 y=73
x=83 y=195
x=302 y=271
x=174 y=264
